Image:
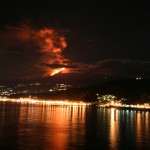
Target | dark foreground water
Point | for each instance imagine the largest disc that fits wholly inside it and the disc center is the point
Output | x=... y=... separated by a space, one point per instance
x=40 y=127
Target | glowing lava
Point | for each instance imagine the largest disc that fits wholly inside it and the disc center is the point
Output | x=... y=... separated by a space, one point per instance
x=57 y=71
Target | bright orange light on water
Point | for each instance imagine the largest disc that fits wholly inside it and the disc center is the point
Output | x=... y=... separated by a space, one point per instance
x=57 y=71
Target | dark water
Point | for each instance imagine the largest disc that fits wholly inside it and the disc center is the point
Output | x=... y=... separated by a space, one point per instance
x=40 y=127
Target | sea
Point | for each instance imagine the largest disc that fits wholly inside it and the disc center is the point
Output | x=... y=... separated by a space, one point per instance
x=32 y=126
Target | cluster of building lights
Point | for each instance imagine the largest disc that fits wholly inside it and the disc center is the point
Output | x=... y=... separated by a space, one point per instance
x=32 y=88
x=112 y=101
x=120 y=105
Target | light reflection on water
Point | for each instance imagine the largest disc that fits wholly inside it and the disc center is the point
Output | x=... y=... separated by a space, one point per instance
x=114 y=129
x=37 y=126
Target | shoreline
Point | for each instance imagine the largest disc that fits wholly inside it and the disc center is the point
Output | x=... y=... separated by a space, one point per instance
x=125 y=108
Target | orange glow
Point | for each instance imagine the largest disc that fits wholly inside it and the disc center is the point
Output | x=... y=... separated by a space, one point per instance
x=57 y=71
x=50 y=44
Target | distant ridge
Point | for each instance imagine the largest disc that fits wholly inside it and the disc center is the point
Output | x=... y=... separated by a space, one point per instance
x=135 y=91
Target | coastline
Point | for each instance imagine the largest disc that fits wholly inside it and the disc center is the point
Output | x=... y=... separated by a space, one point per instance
x=125 y=108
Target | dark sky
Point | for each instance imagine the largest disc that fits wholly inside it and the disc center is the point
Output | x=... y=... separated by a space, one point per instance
x=90 y=40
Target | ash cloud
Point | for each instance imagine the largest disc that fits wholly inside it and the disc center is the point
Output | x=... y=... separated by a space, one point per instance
x=23 y=49
x=117 y=67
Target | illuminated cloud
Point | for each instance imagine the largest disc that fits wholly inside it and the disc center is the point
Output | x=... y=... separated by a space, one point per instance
x=34 y=47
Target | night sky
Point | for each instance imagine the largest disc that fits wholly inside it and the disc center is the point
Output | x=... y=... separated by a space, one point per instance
x=90 y=41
